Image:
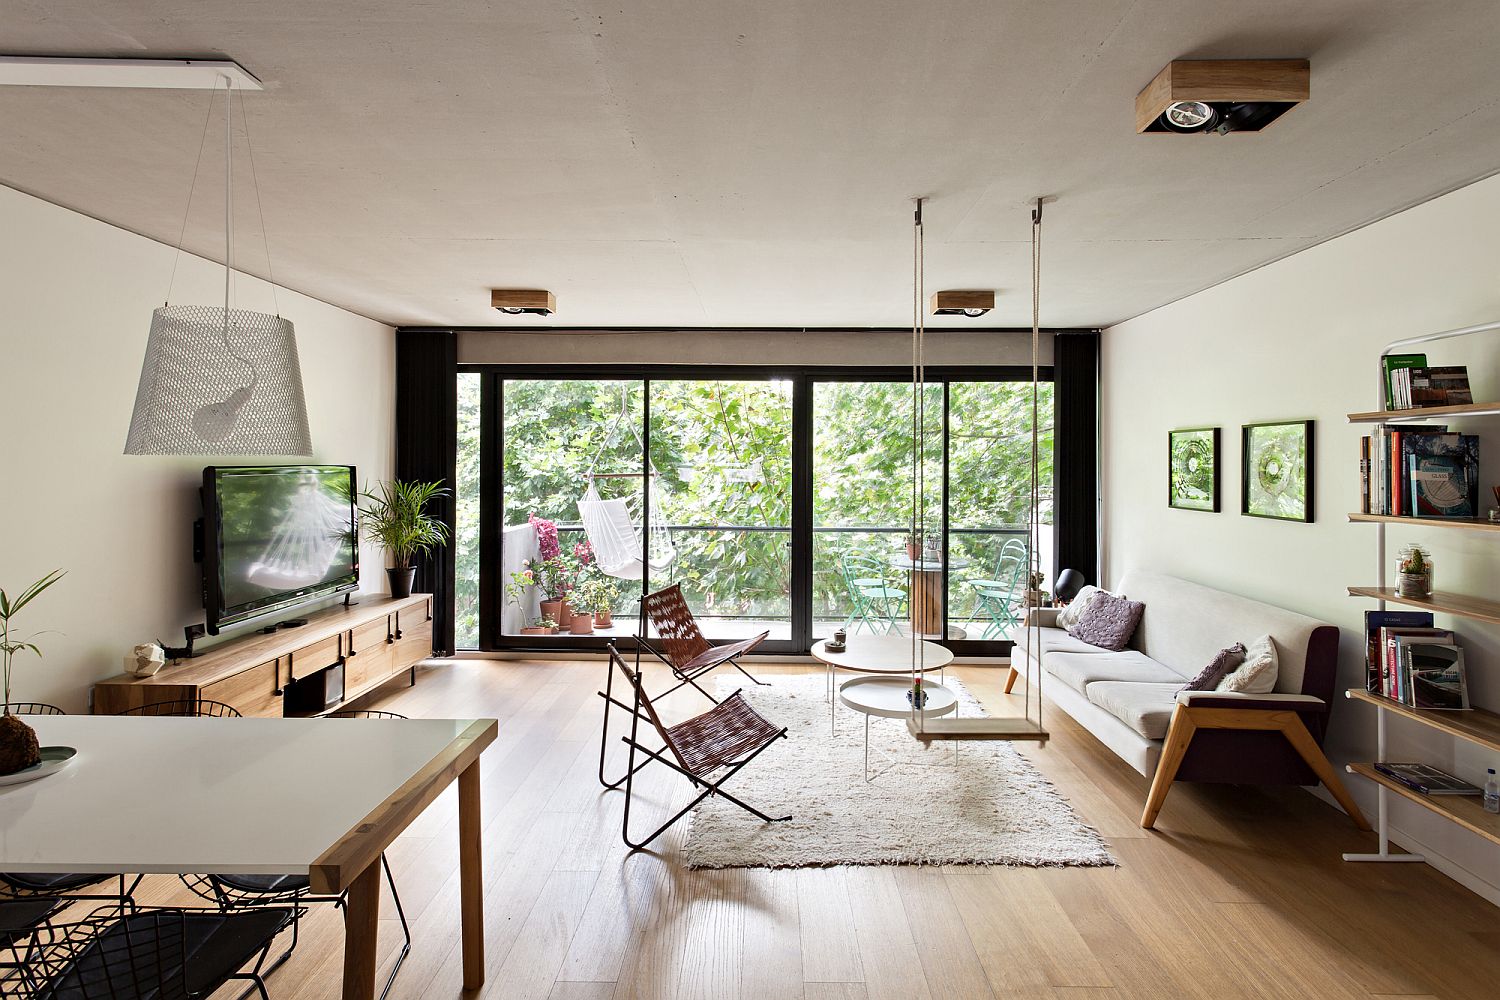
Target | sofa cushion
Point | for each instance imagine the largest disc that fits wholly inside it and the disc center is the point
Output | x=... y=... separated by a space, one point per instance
x=1108 y=621
x=1257 y=675
x=1054 y=640
x=1220 y=667
x=1067 y=617
x=1079 y=670
x=1145 y=708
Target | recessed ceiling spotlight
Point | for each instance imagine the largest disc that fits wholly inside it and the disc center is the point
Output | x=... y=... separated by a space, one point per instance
x=1191 y=116
x=1198 y=96
x=972 y=303
x=521 y=301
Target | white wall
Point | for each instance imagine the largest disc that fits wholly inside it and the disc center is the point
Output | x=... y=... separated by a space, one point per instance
x=1299 y=339
x=76 y=297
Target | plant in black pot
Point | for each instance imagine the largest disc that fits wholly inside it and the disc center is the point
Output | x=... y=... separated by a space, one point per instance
x=396 y=516
x=18 y=743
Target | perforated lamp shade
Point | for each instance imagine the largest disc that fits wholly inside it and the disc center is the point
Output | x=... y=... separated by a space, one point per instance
x=211 y=387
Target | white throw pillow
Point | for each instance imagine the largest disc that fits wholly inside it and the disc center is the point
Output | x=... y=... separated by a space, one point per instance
x=1257 y=675
x=1068 y=616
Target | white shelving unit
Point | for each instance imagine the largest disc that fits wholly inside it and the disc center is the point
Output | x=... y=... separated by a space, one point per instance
x=1476 y=726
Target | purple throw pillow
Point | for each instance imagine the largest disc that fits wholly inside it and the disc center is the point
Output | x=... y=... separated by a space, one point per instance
x=1108 y=621
x=1222 y=665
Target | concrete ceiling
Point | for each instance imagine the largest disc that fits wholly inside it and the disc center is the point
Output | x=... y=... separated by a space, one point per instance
x=718 y=163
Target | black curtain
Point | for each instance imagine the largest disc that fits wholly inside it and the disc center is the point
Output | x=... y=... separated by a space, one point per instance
x=426 y=450
x=1076 y=453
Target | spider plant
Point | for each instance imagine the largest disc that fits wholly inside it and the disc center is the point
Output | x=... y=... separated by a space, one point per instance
x=10 y=644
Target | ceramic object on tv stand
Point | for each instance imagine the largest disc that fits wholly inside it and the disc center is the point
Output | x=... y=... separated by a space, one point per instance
x=402 y=579
x=145 y=660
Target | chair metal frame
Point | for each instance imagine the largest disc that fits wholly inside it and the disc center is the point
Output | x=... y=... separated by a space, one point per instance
x=998 y=598
x=684 y=648
x=30 y=708
x=888 y=605
x=642 y=710
x=131 y=962
x=363 y=713
x=200 y=708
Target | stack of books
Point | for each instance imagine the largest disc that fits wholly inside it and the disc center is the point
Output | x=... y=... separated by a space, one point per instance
x=1409 y=661
x=1410 y=384
x=1419 y=471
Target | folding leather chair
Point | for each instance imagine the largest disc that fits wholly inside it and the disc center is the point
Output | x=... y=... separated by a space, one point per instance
x=686 y=651
x=707 y=749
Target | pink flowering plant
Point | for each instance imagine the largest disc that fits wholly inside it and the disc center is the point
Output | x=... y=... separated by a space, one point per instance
x=547 y=545
x=520 y=584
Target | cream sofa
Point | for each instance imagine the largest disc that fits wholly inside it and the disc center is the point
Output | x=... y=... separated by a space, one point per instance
x=1132 y=700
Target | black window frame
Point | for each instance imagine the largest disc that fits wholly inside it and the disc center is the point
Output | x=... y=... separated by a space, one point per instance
x=803 y=380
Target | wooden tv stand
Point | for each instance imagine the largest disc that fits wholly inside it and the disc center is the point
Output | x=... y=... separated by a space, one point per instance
x=375 y=640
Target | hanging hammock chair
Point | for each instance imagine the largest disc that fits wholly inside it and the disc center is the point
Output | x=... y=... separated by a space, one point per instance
x=612 y=528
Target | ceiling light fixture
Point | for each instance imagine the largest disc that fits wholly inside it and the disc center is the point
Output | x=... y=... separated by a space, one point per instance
x=220 y=381
x=972 y=303
x=135 y=74
x=1220 y=95
x=523 y=301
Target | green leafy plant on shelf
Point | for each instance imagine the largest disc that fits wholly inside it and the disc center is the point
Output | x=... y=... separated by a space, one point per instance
x=395 y=516
x=19 y=747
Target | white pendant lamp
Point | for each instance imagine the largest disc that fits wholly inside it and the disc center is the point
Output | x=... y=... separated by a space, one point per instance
x=220 y=381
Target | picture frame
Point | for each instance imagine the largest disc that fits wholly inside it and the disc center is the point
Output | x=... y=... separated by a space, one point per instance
x=1276 y=470
x=1193 y=469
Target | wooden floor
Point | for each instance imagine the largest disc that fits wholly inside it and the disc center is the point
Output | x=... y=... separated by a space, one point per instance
x=1239 y=892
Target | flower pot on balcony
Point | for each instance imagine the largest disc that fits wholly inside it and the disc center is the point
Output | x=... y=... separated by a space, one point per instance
x=581 y=624
x=557 y=610
x=536 y=630
x=604 y=619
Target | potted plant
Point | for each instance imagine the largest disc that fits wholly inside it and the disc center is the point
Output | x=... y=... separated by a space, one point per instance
x=19 y=747
x=397 y=518
x=540 y=626
x=518 y=590
x=553 y=574
x=1414 y=572
x=913 y=547
x=597 y=594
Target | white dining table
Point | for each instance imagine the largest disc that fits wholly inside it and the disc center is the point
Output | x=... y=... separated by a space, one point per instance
x=321 y=797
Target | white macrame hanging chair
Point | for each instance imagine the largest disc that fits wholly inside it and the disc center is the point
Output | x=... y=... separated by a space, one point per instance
x=611 y=526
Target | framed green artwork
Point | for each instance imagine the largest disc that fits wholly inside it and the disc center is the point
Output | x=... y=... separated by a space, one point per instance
x=1276 y=472
x=1193 y=469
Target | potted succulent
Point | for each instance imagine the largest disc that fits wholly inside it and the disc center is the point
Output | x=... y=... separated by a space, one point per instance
x=19 y=747
x=1414 y=572
x=913 y=547
x=397 y=518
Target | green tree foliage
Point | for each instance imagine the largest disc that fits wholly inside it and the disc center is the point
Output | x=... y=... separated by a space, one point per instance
x=722 y=450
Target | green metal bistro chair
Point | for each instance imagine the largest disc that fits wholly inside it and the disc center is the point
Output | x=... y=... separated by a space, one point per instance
x=1000 y=599
x=873 y=593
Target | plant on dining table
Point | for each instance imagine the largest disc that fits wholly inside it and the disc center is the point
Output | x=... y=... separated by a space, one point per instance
x=19 y=747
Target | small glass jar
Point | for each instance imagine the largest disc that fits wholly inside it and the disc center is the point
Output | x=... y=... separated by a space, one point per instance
x=1414 y=572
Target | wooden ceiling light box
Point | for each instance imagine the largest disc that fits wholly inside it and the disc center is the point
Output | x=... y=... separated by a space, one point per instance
x=524 y=300
x=956 y=302
x=1249 y=93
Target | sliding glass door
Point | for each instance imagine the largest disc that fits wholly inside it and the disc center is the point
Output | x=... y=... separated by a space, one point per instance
x=782 y=501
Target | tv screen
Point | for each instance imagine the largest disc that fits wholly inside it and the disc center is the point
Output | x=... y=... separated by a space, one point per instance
x=275 y=537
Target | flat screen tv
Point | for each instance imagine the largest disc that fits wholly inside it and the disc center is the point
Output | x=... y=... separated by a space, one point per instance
x=275 y=537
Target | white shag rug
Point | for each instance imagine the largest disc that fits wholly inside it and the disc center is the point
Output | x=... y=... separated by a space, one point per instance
x=990 y=807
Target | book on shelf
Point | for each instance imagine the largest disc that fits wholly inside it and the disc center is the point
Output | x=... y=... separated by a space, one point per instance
x=1392 y=363
x=1375 y=623
x=1364 y=474
x=1442 y=475
x=1446 y=386
x=1395 y=670
x=1388 y=492
x=1434 y=676
x=1426 y=779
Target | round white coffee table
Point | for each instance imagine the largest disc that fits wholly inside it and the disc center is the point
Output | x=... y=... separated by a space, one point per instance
x=878 y=654
x=886 y=697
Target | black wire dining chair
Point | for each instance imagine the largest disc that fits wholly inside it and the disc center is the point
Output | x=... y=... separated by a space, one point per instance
x=67 y=885
x=242 y=892
x=163 y=954
x=200 y=708
x=30 y=708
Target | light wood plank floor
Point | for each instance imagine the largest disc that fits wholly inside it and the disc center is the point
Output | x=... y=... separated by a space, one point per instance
x=1238 y=893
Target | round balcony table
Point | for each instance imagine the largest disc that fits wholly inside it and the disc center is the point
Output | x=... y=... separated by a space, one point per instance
x=927 y=594
x=882 y=655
